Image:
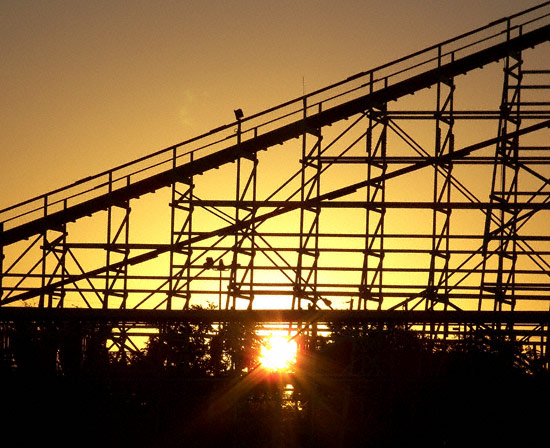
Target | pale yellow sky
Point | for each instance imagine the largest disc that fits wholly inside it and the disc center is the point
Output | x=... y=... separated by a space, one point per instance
x=86 y=86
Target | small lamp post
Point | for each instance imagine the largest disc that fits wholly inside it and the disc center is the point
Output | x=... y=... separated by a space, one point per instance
x=209 y=264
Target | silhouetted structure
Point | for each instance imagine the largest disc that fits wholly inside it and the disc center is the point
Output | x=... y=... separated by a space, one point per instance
x=400 y=212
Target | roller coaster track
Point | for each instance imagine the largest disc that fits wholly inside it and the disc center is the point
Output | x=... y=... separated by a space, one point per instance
x=365 y=94
x=379 y=87
x=278 y=211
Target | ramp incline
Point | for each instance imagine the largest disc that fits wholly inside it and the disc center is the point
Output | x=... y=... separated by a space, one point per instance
x=274 y=126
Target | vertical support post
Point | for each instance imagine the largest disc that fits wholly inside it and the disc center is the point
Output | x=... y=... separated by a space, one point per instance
x=48 y=274
x=114 y=274
x=308 y=251
x=41 y=301
x=500 y=233
x=62 y=259
x=241 y=270
x=182 y=203
x=108 y=248
x=59 y=248
x=232 y=287
x=437 y=291
x=126 y=249
x=371 y=287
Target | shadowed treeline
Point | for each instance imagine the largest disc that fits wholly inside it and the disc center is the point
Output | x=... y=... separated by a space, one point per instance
x=196 y=385
x=397 y=389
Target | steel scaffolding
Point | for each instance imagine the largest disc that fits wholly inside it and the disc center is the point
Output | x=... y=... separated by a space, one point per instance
x=357 y=198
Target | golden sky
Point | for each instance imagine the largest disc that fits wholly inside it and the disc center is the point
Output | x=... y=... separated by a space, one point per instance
x=86 y=86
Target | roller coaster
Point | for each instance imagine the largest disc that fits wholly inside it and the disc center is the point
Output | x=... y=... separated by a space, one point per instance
x=415 y=193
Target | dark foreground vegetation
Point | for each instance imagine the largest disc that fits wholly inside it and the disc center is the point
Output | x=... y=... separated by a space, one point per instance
x=194 y=385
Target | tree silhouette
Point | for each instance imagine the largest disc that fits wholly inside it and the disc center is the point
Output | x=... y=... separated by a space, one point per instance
x=358 y=385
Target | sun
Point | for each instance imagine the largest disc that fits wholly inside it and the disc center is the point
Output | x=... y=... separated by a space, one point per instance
x=278 y=353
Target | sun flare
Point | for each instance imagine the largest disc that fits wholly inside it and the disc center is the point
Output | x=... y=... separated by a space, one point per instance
x=278 y=353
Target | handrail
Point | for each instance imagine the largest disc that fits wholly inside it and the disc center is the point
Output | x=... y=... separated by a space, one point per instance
x=215 y=140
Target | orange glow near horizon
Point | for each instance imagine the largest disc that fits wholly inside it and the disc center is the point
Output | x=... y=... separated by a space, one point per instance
x=278 y=353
